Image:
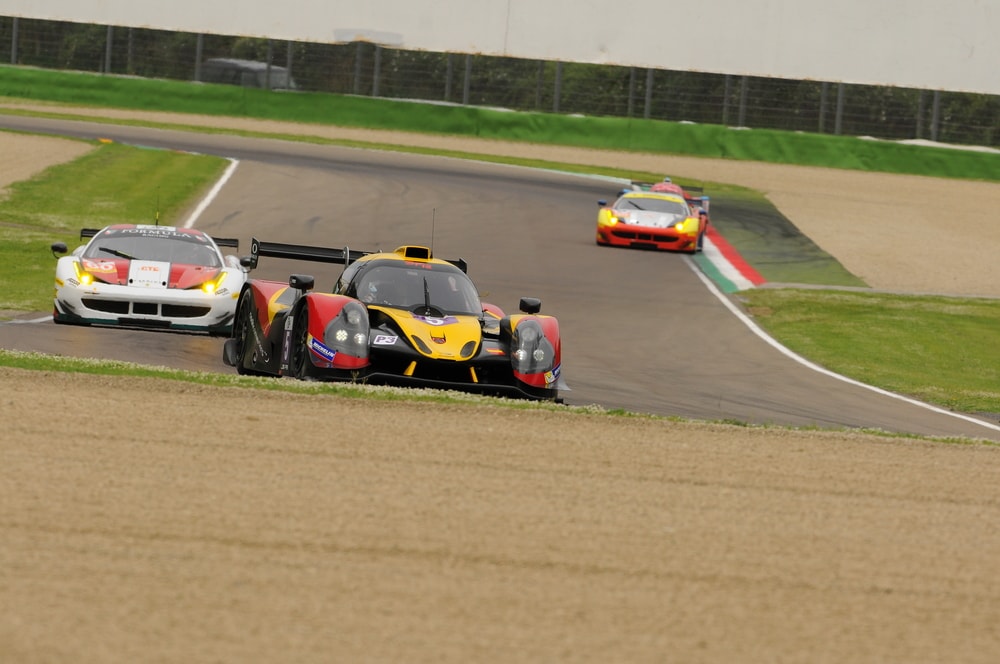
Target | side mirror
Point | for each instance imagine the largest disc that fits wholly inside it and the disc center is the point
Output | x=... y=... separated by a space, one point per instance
x=302 y=282
x=602 y=203
x=530 y=305
x=59 y=248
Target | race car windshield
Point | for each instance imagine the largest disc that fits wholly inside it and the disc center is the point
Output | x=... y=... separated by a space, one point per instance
x=405 y=287
x=661 y=205
x=148 y=248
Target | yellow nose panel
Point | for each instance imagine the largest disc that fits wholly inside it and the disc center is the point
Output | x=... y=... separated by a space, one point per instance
x=444 y=338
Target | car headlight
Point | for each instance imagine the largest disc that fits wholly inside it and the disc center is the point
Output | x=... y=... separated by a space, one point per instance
x=348 y=331
x=532 y=352
x=212 y=285
x=85 y=278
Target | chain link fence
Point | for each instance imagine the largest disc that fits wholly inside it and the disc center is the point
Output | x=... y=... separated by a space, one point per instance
x=524 y=85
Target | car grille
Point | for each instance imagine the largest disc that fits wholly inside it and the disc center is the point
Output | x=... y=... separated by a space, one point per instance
x=108 y=306
x=642 y=236
x=145 y=308
x=184 y=311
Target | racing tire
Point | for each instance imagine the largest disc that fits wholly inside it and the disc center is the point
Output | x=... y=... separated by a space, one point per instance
x=242 y=332
x=299 y=364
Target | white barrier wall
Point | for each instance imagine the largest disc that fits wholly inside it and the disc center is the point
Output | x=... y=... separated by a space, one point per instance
x=910 y=43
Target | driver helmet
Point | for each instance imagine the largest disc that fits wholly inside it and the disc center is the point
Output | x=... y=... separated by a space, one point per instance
x=370 y=292
x=379 y=291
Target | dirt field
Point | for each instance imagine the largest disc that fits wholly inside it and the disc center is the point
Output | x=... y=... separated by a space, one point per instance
x=469 y=533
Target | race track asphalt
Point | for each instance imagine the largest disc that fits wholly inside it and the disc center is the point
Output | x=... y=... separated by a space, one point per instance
x=641 y=330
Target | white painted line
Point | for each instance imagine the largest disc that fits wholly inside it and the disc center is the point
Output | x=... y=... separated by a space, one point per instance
x=32 y=320
x=205 y=202
x=815 y=367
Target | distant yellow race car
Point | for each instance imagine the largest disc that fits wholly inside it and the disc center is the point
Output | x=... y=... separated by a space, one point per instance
x=661 y=216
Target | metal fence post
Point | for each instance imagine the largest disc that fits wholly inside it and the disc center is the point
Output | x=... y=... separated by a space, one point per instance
x=13 y=41
x=824 y=92
x=269 y=58
x=467 y=82
x=539 y=80
x=727 y=92
x=107 y=50
x=648 y=109
x=357 y=68
x=631 y=90
x=838 y=122
x=557 y=91
x=921 y=110
x=130 y=53
x=741 y=120
x=199 y=52
x=935 y=115
x=449 y=72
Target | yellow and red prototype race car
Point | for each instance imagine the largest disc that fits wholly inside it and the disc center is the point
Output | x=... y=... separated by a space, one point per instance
x=399 y=318
x=660 y=216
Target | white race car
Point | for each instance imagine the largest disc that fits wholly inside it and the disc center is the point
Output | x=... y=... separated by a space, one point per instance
x=158 y=277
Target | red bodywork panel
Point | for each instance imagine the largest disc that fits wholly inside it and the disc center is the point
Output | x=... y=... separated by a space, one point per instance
x=268 y=301
x=550 y=327
x=324 y=307
x=182 y=276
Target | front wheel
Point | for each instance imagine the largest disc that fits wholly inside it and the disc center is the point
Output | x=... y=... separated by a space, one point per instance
x=243 y=334
x=299 y=364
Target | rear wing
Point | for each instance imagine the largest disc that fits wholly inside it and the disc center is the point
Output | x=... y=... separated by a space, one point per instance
x=303 y=252
x=638 y=185
x=220 y=241
x=231 y=242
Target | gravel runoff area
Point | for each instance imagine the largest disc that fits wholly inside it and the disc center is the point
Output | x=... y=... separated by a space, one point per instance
x=143 y=522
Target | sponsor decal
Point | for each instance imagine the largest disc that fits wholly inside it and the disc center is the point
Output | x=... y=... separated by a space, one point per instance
x=158 y=231
x=99 y=266
x=432 y=320
x=254 y=324
x=552 y=376
x=324 y=351
x=385 y=340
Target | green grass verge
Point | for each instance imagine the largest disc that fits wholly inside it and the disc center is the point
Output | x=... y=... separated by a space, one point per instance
x=53 y=363
x=60 y=363
x=940 y=350
x=714 y=141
